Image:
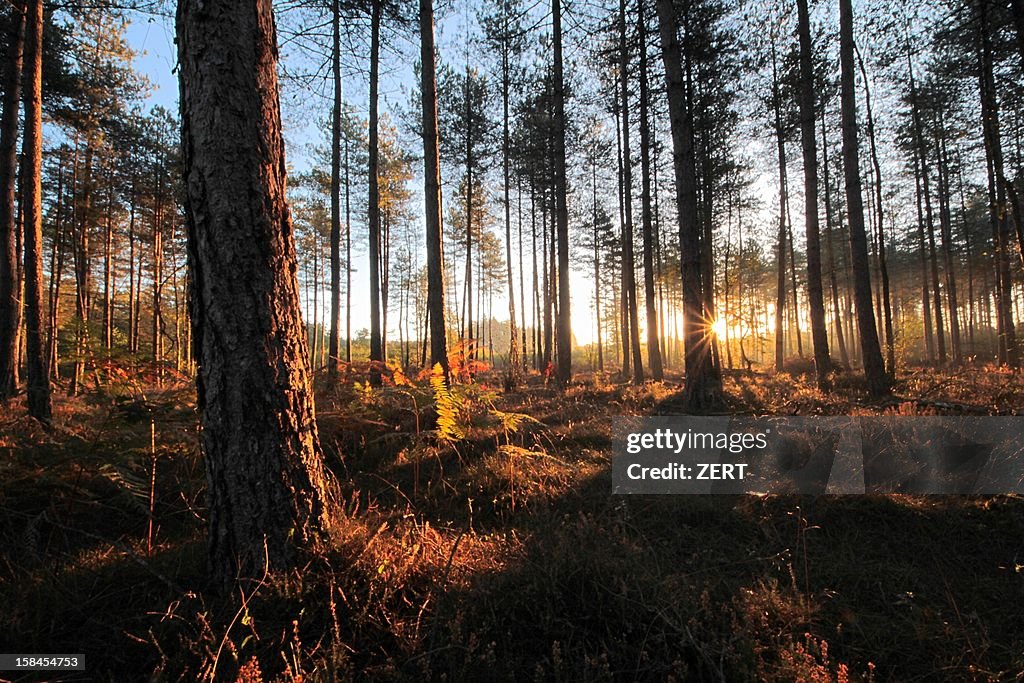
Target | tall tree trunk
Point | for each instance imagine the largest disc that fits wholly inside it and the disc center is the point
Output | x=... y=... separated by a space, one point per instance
x=597 y=268
x=874 y=367
x=108 y=268
x=271 y=498
x=923 y=260
x=348 y=256
x=158 y=262
x=780 y=275
x=564 y=371
x=815 y=296
x=36 y=376
x=512 y=376
x=83 y=280
x=1008 y=353
x=653 y=341
x=883 y=267
x=703 y=384
x=624 y=335
x=628 y=259
x=522 y=287
x=132 y=293
x=833 y=280
x=10 y=297
x=332 y=364
x=373 y=200
x=946 y=228
x=57 y=271
x=432 y=191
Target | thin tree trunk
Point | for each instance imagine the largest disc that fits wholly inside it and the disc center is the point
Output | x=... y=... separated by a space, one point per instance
x=628 y=260
x=597 y=268
x=946 y=227
x=108 y=269
x=373 y=208
x=883 y=267
x=83 y=301
x=780 y=279
x=432 y=191
x=874 y=367
x=57 y=271
x=653 y=341
x=815 y=296
x=36 y=376
x=833 y=280
x=512 y=377
x=1008 y=353
x=332 y=365
x=564 y=369
x=10 y=297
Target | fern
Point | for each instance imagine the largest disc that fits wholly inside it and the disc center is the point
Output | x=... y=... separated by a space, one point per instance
x=513 y=422
x=131 y=481
x=448 y=427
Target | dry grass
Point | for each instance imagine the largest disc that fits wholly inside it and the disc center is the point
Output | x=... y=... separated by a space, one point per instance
x=504 y=556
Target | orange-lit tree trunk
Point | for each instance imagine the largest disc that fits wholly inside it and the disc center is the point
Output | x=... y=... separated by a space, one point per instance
x=36 y=375
x=9 y=295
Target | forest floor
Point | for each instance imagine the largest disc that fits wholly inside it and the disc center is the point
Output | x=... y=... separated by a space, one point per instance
x=503 y=555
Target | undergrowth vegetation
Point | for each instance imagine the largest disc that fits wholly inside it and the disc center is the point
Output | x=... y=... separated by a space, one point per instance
x=480 y=541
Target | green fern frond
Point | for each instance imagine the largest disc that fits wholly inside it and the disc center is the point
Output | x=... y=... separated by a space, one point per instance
x=512 y=422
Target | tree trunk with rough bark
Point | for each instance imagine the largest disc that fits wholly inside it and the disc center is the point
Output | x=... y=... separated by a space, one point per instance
x=563 y=373
x=10 y=298
x=703 y=390
x=271 y=499
x=815 y=296
x=332 y=354
x=653 y=342
x=36 y=375
x=373 y=199
x=871 y=351
x=432 y=191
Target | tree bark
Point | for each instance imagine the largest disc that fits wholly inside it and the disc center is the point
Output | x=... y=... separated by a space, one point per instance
x=883 y=267
x=629 y=298
x=10 y=297
x=874 y=366
x=512 y=377
x=36 y=375
x=815 y=296
x=703 y=390
x=271 y=498
x=563 y=372
x=1008 y=353
x=373 y=200
x=653 y=341
x=833 y=280
x=780 y=275
x=332 y=362
x=432 y=191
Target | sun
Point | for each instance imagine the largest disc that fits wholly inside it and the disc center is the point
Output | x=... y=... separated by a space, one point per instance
x=718 y=327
